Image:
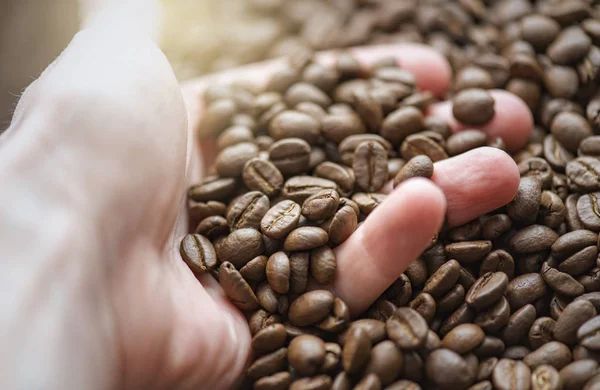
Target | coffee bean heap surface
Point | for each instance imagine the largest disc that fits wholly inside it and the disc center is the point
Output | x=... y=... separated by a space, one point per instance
x=510 y=300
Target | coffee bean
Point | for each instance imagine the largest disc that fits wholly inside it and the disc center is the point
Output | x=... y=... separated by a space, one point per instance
x=269 y=339
x=452 y=300
x=569 y=47
x=419 y=166
x=240 y=247
x=357 y=350
x=468 y=251
x=583 y=173
x=498 y=261
x=448 y=370
x=424 y=304
x=263 y=176
x=280 y=219
x=511 y=375
x=386 y=361
x=556 y=154
x=348 y=145
x=401 y=123
x=524 y=207
x=268 y=364
x=519 y=324
x=370 y=166
x=321 y=206
x=343 y=223
x=487 y=290
x=247 y=211
x=200 y=210
x=574 y=315
x=552 y=210
x=464 y=141
x=279 y=381
x=576 y=374
x=525 y=289
x=369 y=382
x=322 y=264
x=537 y=168
x=587 y=211
x=464 y=338
x=443 y=279
x=534 y=238
x=588 y=334
x=278 y=272
x=590 y=280
x=254 y=270
x=319 y=382
x=260 y=319
x=299 y=188
x=236 y=288
x=305 y=238
x=306 y=354
x=311 y=307
x=213 y=227
x=554 y=354
x=473 y=107
x=464 y=314
x=490 y=346
x=337 y=127
x=547 y=378
x=338 y=319
x=343 y=177
x=294 y=124
x=495 y=317
x=198 y=253
x=420 y=144
x=561 y=282
x=212 y=188
x=541 y=331
x=270 y=300
x=494 y=226
x=368 y=201
x=407 y=328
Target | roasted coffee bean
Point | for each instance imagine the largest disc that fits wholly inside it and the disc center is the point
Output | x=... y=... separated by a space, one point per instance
x=247 y=210
x=552 y=211
x=419 y=166
x=590 y=280
x=473 y=107
x=200 y=210
x=466 y=278
x=343 y=177
x=582 y=353
x=443 y=279
x=511 y=375
x=305 y=238
x=254 y=270
x=306 y=354
x=270 y=300
x=592 y=297
x=541 y=331
x=381 y=310
x=574 y=315
x=278 y=272
x=516 y=352
x=291 y=156
x=546 y=377
x=369 y=382
x=338 y=319
x=386 y=361
x=263 y=176
x=590 y=146
x=537 y=168
x=569 y=46
x=424 y=304
x=494 y=318
x=556 y=154
x=576 y=374
x=519 y=324
x=588 y=334
x=464 y=314
x=236 y=288
x=587 y=211
x=468 y=251
x=532 y=239
x=448 y=370
x=490 y=346
x=573 y=221
x=525 y=289
x=357 y=350
x=305 y=92
x=561 y=282
x=321 y=206
x=299 y=188
x=368 y=201
x=498 y=261
x=231 y=160
x=468 y=232
x=401 y=123
x=557 y=305
x=417 y=272
x=281 y=219
x=407 y=328
x=240 y=247
x=198 y=253
x=349 y=145
x=279 y=381
x=400 y=291
x=375 y=330
x=464 y=141
x=583 y=174
x=212 y=188
x=319 y=382
x=269 y=339
x=322 y=264
x=261 y=319
x=370 y=166
x=464 y=338
x=343 y=223
x=496 y=225
x=473 y=77
x=452 y=300
x=213 y=227
x=486 y=367
x=268 y=364
x=337 y=127
x=419 y=144
x=311 y=307
x=554 y=354
x=487 y=290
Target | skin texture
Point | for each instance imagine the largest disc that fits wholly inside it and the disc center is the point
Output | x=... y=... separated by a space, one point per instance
x=94 y=169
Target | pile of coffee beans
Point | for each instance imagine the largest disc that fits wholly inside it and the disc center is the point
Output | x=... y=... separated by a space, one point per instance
x=510 y=300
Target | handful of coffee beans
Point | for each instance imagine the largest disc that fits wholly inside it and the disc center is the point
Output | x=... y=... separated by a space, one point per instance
x=507 y=301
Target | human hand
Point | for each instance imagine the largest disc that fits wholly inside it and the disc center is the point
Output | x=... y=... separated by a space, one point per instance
x=95 y=166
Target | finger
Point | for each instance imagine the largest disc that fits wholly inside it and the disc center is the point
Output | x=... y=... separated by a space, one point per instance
x=513 y=121
x=431 y=70
x=397 y=231
x=393 y=235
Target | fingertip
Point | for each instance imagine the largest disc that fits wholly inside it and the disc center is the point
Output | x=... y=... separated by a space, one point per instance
x=513 y=120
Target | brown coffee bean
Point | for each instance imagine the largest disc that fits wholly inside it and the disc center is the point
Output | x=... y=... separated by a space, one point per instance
x=247 y=210
x=260 y=319
x=305 y=238
x=468 y=251
x=569 y=47
x=407 y=328
x=464 y=141
x=322 y=264
x=590 y=280
x=305 y=92
x=511 y=375
x=490 y=346
x=421 y=144
x=485 y=368
x=299 y=266
x=546 y=377
x=572 y=317
x=386 y=361
x=299 y=188
x=231 y=160
x=369 y=382
x=236 y=288
x=343 y=223
x=554 y=354
x=464 y=338
x=588 y=334
x=401 y=123
x=279 y=381
x=537 y=168
x=424 y=304
x=448 y=370
x=357 y=350
x=254 y=270
x=338 y=319
x=368 y=201
x=343 y=177
x=342 y=382
x=321 y=206
x=525 y=289
x=198 y=253
x=268 y=364
x=498 y=261
x=524 y=207
x=311 y=307
x=462 y=315
x=269 y=339
x=419 y=166
x=473 y=77
x=576 y=374
x=561 y=282
x=541 y=331
x=519 y=324
x=591 y=145
x=587 y=211
x=494 y=318
x=473 y=107
x=556 y=154
x=270 y=300
x=280 y=219
x=552 y=210
x=349 y=145
x=212 y=188
x=337 y=127
x=213 y=227
x=263 y=176
x=495 y=226
x=278 y=272
x=532 y=239
x=322 y=77
x=200 y=210
x=570 y=129
x=319 y=382
x=452 y=300
x=443 y=279
x=291 y=156
x=487 y=290
x=370 y=166
x=294 y=124
x=240 y=247
x=583 y=173
x=306 y=354
x=516 y=352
